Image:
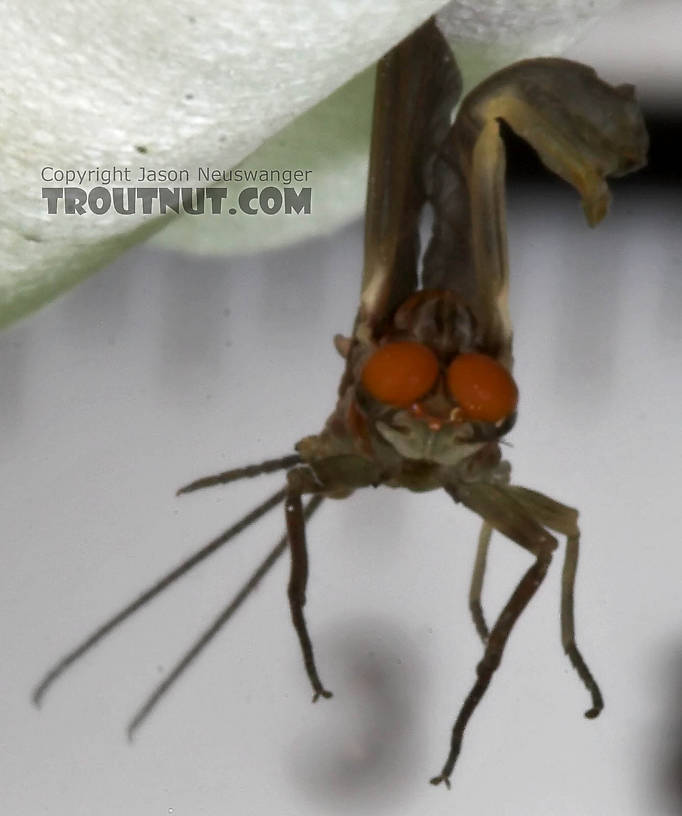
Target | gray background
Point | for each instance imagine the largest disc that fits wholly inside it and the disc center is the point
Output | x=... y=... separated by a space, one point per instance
x=164 y=367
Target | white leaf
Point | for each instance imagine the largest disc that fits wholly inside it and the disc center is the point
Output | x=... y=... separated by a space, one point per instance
x=101 y=84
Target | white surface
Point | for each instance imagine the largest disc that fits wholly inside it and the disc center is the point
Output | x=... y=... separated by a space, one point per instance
x=635 y=42
x=639 y=42
x=163 y=368
x=87 y=84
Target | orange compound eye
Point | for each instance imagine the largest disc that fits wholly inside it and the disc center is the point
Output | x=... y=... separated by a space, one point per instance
x=399 y=373
x=484 y=389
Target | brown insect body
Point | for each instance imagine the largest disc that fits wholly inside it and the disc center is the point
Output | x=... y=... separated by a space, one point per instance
x=455 y=304
x=583 y=130
x=421 y=447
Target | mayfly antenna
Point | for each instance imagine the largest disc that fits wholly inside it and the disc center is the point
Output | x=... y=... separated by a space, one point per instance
x=205 y=638
x=152 y=591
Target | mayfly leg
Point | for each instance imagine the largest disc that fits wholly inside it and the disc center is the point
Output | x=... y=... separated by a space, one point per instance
x=508 y=516
x=223 y=617
x=298 y=580
x=568 y=627
x=476 y=585
x=564 y=520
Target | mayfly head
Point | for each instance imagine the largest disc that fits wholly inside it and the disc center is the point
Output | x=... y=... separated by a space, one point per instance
x=429 y=386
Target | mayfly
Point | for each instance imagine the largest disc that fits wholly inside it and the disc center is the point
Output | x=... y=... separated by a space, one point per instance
x=427 y=391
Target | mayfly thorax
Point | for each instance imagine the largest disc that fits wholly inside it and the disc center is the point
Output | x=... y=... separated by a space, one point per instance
x=427 y=392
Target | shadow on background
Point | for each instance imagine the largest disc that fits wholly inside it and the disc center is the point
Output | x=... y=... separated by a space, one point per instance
x=361 y=756
x=667 y=776
x=664 y=162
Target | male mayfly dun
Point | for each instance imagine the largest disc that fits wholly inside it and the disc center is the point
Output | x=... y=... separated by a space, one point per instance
x=427 y=391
